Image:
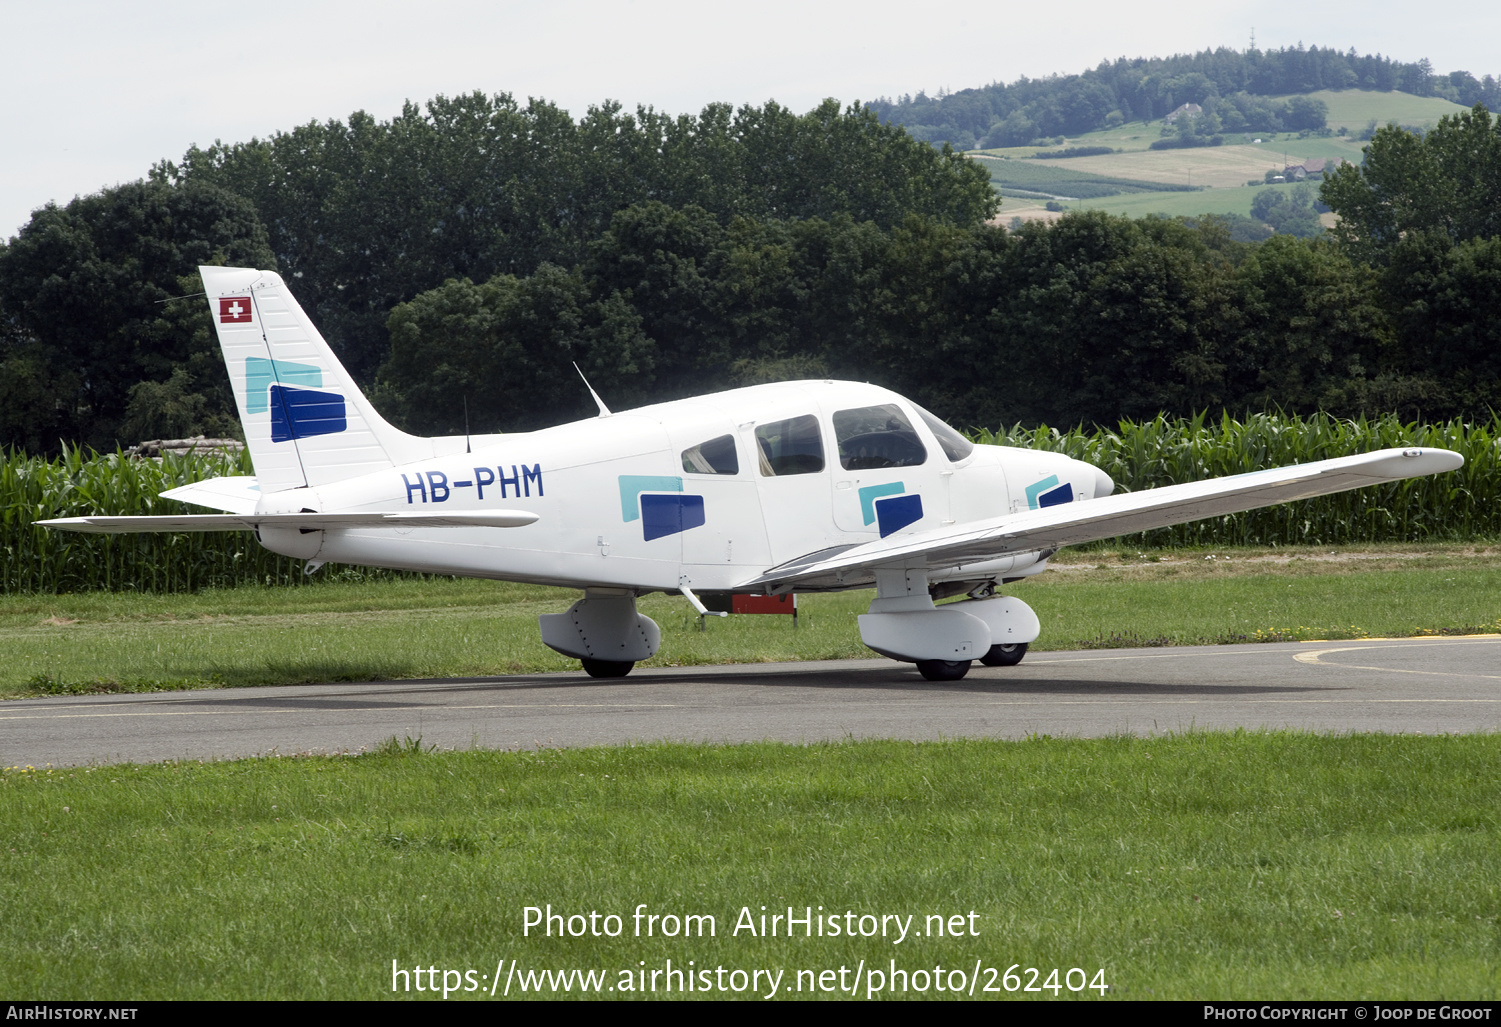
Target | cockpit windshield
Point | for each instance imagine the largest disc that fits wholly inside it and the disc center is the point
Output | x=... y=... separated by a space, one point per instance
x=955 y=446
x=873 y=437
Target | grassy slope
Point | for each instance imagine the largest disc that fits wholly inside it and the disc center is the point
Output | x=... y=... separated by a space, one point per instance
x=344 y=632
x=1189 y=866
x=1354 y=108
x=1225 y=169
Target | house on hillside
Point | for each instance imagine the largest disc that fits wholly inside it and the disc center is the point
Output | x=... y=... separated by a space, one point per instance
x=1318 y=167
x=1187 y=108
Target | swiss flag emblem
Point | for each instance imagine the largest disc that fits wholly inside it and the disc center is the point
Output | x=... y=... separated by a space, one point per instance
x=234 y=310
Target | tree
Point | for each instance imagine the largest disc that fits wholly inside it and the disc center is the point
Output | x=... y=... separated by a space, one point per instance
x=1102 y=317
x=1445 y=302
x=499 y=355
x=366 y=215
x=1305 y=114
x=1289 y=211
x=1447 y=182
x=1311 y=329
x=102 y=295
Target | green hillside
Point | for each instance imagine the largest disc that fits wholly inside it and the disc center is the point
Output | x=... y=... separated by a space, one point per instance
x=1203 y=180
x=1355 y=108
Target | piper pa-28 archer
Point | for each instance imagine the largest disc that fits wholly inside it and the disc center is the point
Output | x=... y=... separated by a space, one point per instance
x=807 y=486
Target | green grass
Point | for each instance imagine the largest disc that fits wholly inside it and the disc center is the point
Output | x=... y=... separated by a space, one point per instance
x=109 y=642
x=1354 y=108
x=1255 y=866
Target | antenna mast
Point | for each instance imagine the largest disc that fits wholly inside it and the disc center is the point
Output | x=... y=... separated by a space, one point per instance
x=604 y=411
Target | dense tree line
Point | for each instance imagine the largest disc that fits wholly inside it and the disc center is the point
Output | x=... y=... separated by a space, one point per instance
x=1088 y=320
x=891 y=274
x=367 y=214
x=1091 y=319
x=1232 y=84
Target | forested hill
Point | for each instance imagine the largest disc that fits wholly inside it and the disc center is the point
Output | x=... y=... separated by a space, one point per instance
x=1144 y=89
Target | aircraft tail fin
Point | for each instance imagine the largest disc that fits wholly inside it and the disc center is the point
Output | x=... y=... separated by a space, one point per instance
x=306 y=423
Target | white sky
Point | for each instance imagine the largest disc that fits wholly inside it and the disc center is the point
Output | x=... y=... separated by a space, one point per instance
x=95 y=92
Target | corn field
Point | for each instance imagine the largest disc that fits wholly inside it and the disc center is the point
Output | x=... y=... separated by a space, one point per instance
x=74 y=485
x=1465 y=504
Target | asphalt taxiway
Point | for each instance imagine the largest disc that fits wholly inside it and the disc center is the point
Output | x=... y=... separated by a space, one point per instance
x=1413 y=685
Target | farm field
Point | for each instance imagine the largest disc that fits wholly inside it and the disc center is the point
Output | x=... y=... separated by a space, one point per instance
x=1228 y=167
x=339 y=631
x=1220 y=167
x=1211 y=201
x=1193 y=865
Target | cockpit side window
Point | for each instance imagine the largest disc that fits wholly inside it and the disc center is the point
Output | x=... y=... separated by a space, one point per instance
x=717 y=456
x=792 y=446
x=955 y=446
x=874 y=437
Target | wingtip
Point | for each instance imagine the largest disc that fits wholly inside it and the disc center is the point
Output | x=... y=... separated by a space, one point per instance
x=1414 y=462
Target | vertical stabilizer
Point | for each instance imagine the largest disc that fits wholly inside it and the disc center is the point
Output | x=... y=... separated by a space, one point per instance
x=305 y=421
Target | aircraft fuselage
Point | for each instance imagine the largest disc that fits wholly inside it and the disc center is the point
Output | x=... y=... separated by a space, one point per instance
x=695 y=492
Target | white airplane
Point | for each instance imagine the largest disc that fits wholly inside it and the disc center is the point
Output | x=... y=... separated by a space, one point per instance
x=808 y=486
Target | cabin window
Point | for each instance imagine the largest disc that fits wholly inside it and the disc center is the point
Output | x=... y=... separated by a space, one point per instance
x=792 y=446
x=955 y=446
x=874 y=437
x=717 y=456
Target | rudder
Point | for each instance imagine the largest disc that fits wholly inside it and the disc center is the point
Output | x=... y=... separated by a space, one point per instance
x=306 y=422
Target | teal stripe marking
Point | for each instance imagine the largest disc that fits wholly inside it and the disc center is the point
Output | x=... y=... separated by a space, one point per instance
x=632 y=485
x=261 y=374
x=870 y=493
x=1033 y=491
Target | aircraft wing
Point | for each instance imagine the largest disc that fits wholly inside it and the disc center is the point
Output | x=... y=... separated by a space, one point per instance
x=1107 y=517
x=304 y=521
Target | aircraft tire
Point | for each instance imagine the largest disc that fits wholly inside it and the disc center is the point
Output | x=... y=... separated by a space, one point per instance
x=1004 y=655
x=943 y=670
x=607 y=668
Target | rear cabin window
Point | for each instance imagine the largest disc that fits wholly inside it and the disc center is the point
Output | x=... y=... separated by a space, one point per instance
x=717 y=456
x=792 y=446
x=874 y=437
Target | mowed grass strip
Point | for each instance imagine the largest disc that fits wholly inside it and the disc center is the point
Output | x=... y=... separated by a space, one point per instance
x=1189 y=866
x=103 y=642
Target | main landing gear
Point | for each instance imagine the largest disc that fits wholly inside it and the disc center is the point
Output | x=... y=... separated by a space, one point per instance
x=943 y=670
x=607 y=668
x=904 y=624
x=953 y=670
x=604 y=632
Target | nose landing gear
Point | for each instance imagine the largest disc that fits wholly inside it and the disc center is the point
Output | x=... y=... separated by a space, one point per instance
x=1004 y=655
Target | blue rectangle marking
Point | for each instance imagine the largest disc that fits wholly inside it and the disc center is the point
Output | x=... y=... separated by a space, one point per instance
x=669 y=515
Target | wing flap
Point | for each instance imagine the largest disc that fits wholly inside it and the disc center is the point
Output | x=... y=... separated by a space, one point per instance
x=1107 y=517
x=304 y=521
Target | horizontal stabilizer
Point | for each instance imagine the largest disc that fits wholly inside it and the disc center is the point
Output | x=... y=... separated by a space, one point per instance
x=239 y=494
x=303 y=521
x=1088 y=521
